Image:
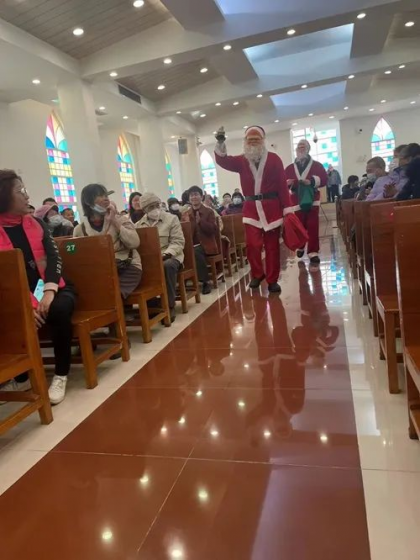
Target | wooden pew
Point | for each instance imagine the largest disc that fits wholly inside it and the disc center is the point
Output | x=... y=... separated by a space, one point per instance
x=229 y=232
x=359 y=249
x=189 y=271
x=215 y=262
x=240 y=239
x=347 y=207
x=89 y=264
x=152 y=285
x=407 y=236
x=19 y=345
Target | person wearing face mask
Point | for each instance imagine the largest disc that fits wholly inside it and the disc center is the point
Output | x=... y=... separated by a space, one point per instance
x=58 y=226
x=237 y=205
x=377 y=175
x=101 y=218
x=410 y=163
x=171 y=238
x=174 y=207
x=304 y=178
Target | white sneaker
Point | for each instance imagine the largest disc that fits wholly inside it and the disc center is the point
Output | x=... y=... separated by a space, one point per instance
x=13 y=385
x=57 y=390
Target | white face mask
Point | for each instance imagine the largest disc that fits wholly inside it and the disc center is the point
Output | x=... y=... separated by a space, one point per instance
x=154 y=214
x=237 y=200
x=371 y=177
x=394 y=164
x=55 y=220
x=175 y=207
x=99 y=209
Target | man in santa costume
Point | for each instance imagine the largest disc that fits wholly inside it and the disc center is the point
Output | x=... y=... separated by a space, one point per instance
x=267 y=199
x=305 y=177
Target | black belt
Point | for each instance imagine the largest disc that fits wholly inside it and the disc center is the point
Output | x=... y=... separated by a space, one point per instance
x=264 y=196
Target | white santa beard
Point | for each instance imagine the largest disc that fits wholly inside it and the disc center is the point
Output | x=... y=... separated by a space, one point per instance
x=302 y=157
x=254 y=153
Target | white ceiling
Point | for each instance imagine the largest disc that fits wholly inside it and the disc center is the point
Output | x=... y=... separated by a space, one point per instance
x=330 y=44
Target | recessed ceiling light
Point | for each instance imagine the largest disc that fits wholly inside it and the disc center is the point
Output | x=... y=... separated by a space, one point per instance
x=55 y=100
x=260 y=95
x=351 y=76
x=227 y=48
x=304 y=86
x=310 y=115
x=291 y=32
x=218 y=104
x=401 y=66
x=371 y=110
x=113 y=74
x=203 y=115
x=173 y=137
x=167 y=61
x=276 y=121
x=294 y=124
x=236 y=103
x=36 y=81
x=179 y=112
x=413 y=102
x=204 y=70
x=346 y=108
x=138 y=3
x=125 y=117
x=161 y=87
x=362 y=15
x=245 y=127
x=332 y=117
x=409 y=24
x=383 y=100
x=388 y=72
x=102 y=108
x=78 y=32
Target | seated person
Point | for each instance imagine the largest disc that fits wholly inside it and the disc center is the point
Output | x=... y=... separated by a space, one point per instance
x=50 y=201
x=185 y=202
x=172 y=241
x=226 y=200
x=58 y=226
x=68 y=214
x=376 y=174
x=351 y=189
x=55 y=306
x=410 y=165
x=204 y=228
x=101 y=218
x=174 y=207
x=31 y=209
x=134 y=207
x=237 y=205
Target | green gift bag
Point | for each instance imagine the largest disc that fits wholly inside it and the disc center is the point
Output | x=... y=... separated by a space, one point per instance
x=306 y=194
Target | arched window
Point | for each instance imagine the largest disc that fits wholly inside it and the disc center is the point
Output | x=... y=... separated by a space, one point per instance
x=383 y=141
x=59 y=163
x=125 y=167
x=170 y=177
x=209 y=174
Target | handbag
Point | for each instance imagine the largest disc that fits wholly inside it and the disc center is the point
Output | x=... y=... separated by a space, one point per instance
x=294 y=234
x=306 y=195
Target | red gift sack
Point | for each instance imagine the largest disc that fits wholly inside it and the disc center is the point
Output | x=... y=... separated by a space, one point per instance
x=295 y=235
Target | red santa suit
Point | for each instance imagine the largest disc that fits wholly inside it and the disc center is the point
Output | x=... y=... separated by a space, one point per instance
x=262 y=216
x=314 y=172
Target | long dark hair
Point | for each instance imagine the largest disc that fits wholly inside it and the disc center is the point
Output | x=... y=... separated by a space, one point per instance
x=89 y=193
x=7 y=182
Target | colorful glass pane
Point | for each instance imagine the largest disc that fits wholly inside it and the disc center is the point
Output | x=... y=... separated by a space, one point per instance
x=171 y=186
x=209 y=174
x=125 y=168
x=59 y=164
x=383 y=141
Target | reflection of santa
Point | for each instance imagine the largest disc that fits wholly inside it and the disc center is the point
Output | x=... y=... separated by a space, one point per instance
x=267 y=199
x=306 y=172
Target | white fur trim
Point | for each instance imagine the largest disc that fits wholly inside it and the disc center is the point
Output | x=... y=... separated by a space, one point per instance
x=267 y=226
x=304 y=175
x=220 y=149
x=252 y=222
x=51 y=286
x=317 y=180
x=317 y=203
x=289 y=210
x=310 y=255
x=258 y=173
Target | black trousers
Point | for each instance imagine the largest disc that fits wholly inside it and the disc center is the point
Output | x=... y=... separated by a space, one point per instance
x=59 y=322
x=333 y=192
x=201 y=263
x=171 y=267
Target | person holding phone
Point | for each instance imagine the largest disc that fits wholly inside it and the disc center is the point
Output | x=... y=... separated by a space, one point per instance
x=53 y=301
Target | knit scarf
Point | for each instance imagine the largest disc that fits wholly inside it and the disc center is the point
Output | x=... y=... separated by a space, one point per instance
x=10 y=220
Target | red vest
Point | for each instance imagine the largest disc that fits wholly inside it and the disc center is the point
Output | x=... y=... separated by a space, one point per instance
x=34 y=232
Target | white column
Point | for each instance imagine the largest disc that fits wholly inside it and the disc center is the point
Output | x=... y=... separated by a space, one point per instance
x=153 y=173
x=190 y=166
x=77 y=110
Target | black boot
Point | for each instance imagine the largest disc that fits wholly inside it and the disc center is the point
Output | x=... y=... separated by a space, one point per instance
x=274 y=288
x=206 y=288
x=300 y=253
x=315 y=260
x=255 y=283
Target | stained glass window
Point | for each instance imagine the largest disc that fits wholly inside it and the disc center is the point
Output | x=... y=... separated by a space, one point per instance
x=325 y=150
x=125 y=167
x=59 y=163
x=170 y=177
x=383 y=141
x=209 y=174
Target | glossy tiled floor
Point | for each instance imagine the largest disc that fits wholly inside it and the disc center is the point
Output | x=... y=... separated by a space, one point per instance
x=256 y=428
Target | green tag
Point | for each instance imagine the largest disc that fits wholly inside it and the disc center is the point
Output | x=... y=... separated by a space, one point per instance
x=71 y=248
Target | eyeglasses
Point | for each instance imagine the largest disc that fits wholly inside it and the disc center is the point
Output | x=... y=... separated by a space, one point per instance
x=23 y=191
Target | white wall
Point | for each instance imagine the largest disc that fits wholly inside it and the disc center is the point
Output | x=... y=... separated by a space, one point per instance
x=356 y=135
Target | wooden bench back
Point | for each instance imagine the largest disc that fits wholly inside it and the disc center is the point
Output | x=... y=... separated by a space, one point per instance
x=189 y=254
x=383 y=250
x=229 y=229
x=367 y=234
x=359 y=227
x=151 y=257
x=348 y=216
x=407 y=241
x=239 y=228
x=16 y=316
x=89 y=264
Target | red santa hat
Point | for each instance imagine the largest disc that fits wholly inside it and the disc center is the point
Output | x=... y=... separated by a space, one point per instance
x=255 y=131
